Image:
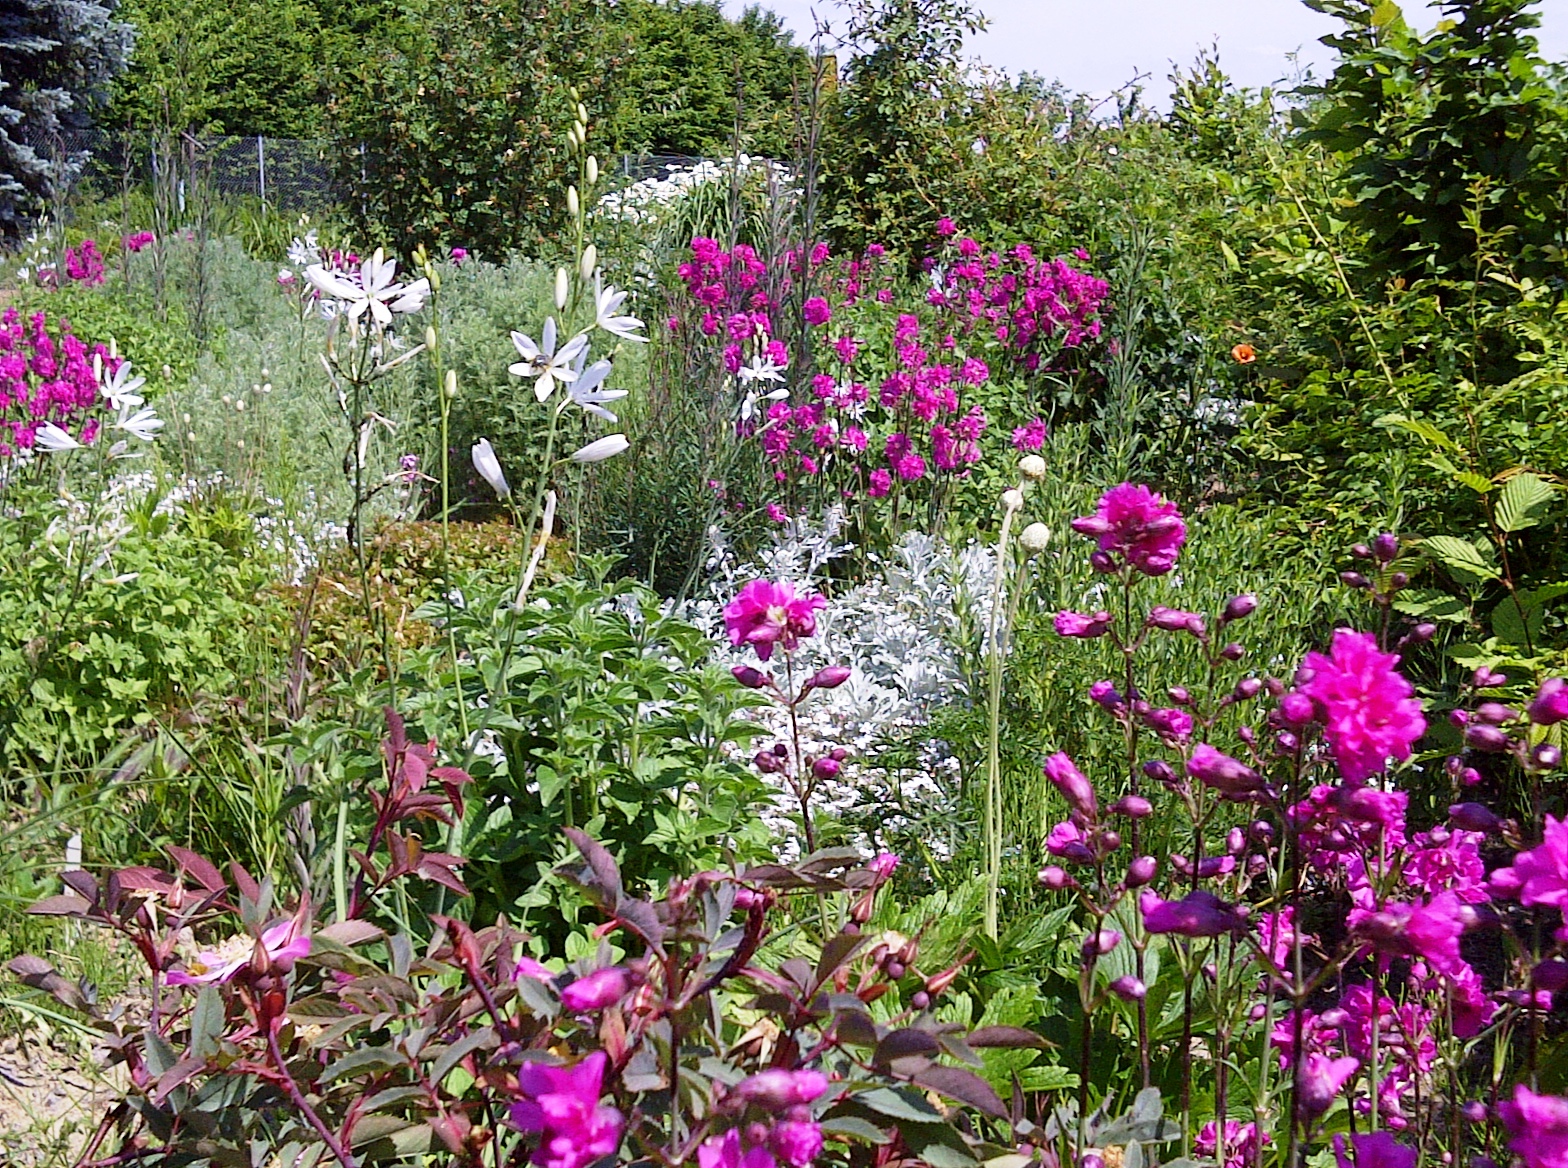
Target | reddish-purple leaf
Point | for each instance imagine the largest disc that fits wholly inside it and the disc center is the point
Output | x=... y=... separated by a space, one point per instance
x=244 y=881
x=964 y=1086
x=605 y=872
x=1007 y=1036
x=63 y=905
x=202 y=869
x=902 y=1044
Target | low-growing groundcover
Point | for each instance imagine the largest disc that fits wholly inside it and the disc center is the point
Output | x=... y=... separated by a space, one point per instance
x=1007 y=637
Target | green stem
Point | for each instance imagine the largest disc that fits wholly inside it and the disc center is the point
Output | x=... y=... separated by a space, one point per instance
x=993 y=776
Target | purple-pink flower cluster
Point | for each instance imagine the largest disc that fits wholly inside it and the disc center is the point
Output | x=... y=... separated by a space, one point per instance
x=46 y=377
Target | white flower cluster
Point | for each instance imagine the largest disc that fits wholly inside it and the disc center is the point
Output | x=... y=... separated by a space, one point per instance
x=899 y=632
x=644 y=201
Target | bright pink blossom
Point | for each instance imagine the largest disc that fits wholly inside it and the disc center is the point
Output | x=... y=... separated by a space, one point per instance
x=1538 y=1125
x=1369 y=710
x=561 y=1105
x=284 y=943
x=1540 y=875
x=1373 y=1150
x=767 y=614
x=725 y=1152
x=1137 y=524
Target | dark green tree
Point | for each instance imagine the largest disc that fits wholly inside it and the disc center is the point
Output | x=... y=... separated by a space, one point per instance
x=1439 y=135
x=57 y=58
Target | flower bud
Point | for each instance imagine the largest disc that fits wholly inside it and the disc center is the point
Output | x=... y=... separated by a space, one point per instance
x=1386 y=547
x=1485 y=678
x=451 y=384
x=838 y=754
x=920 y=1000
x=1179 y=695
x=1546 y=757
x=1141 y=871
x=1034 y=538
x=1495 y=713
x=1422 y=633
x=1032 y=467
x=781 y=750
x=1235 y=841
x=749 y=677
x=829 y=677
x=1241 y=606
x=766 y=762
x=1473 y=817
x=1101 y=943
x=1234 y=651
x=1012 y=499
x=1488 y=738
x=562 y=288
x=826 y=768
x=1398 y=580
x=1458 y=719
x=1286 y=743
x=590 y=262
x=1248 y=688
x=430 y=336
x=1109 y=841
x=1103 y=693
x=1353 y=579
x=1551 y=703
x=1133 y=807
x=1469 y=777
x=1159 y=770
x=1360 y=551
x=592 y=168
x=1055 y=878
x=1128 y=989
x=1102 y=562
x=895 y=969
x=573 y=205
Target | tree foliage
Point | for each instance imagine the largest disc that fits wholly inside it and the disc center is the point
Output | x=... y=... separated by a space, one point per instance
x=57 y=57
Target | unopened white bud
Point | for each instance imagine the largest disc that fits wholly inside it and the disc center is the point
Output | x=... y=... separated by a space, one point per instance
x=239 y=406
x=1032 y=467
x=1012 y=499
x=186 y=418
x=430 y=336
x=266 y=387
x=264 y=373
x=240 y=442
x=573 y=204
x=227 y=399
x=582 y=113
x=562 y=287
x=1034 y=538
x=592 y=170
x=590 y=262
x=451 y=384
x=190 y=436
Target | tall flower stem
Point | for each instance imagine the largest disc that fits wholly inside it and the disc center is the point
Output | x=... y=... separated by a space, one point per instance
x=992 y=833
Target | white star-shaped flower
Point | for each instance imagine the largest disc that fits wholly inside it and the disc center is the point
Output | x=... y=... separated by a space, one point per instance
x=586 y=393
x=544 y=362
x=607 y=301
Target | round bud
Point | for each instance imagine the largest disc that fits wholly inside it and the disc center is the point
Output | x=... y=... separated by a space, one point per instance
x=1034 y=538
x=1546 y=756
x=1141 y=871
x=749 y=677
x=1361 y=552
x=1248 y=688
x=1234 y=651
x=1133 y=807
x=895 y=969
x=1241 y=606
x=1054 y=878
x=1354 y=579
x=1128 y=989
x=1012 y=499
x=920 y=1000
x=1488 y=738
x=1386 y=546
x=1398 y=580
x=1159 y=770
x=1102 y=562
x=1032 y=467
x=826 y=768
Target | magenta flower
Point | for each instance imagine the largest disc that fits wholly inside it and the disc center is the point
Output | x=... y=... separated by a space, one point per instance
x=1198 y=914
x=284 y=944
x=1077 y=624
x=1241 y=1142
x=797 y=1142
x=1540 y=875
x=1134 y=522
x=1369 y=710
x=597 y=991
x=776 y=1088
x=725 y=1152
x=459 y=254
x=1320 y=1078
x=561 y=1105
x=1030 y=437
x=767 y=614
x=1374 y=1150
x=884 y=865
x=1221 y=772
x=817 y=311
x=1539 y=1127
x=1551 y=704
x=1430 y=931
x=1070 y=781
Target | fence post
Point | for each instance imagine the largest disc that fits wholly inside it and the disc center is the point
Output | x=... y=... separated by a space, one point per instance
x=261 y=170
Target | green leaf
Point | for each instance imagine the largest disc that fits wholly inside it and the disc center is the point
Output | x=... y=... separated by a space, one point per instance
x=1525 y=497
x=1231 y=261
x=901 y=1105
x=1464 y=561
x=855 y=1128
x=1421 y=429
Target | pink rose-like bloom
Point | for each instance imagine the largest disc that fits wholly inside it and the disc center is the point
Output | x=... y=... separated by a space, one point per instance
x=1370 y=713
x=884 y=864
x=284 y=944
x=459 y=254
x=1031 y=436
x=1139 y=525
x=1551 y=704
x=817 y=311
x=561 y=1105
x=600 y=989
x=767 y=614
x=879 y=484
x=1198 y=914
x=1430 y=931
x=1374 y=1150
x=1539 y=1127
x=1540 y=875
x=945 y=227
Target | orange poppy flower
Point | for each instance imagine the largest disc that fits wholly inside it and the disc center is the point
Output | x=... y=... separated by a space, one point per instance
x=1244 y=354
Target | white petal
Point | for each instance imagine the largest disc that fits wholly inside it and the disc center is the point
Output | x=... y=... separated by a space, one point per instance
x=607 y=447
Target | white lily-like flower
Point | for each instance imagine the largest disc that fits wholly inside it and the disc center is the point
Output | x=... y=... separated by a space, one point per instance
x=761 y=368
x=303 y=252
x=489 y=467
x=373 y=289
x=119 y=390
x=544 y=362
x=586 y=393
x=143 y=425
x=600 y=449
x=52 y=440
x=749 y=403
x=607 y=301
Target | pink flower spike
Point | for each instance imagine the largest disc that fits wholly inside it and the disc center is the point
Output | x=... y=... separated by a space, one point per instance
x=1139 y=525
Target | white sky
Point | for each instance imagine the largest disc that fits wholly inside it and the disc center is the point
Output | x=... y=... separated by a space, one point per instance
x=1094 y=46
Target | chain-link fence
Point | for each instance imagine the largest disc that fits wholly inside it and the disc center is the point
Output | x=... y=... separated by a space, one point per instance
x=288 y=174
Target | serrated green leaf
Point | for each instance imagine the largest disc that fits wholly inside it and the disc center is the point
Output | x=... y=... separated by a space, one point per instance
x=1523 y=501
x=1421 y=429
x=1463 y=560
